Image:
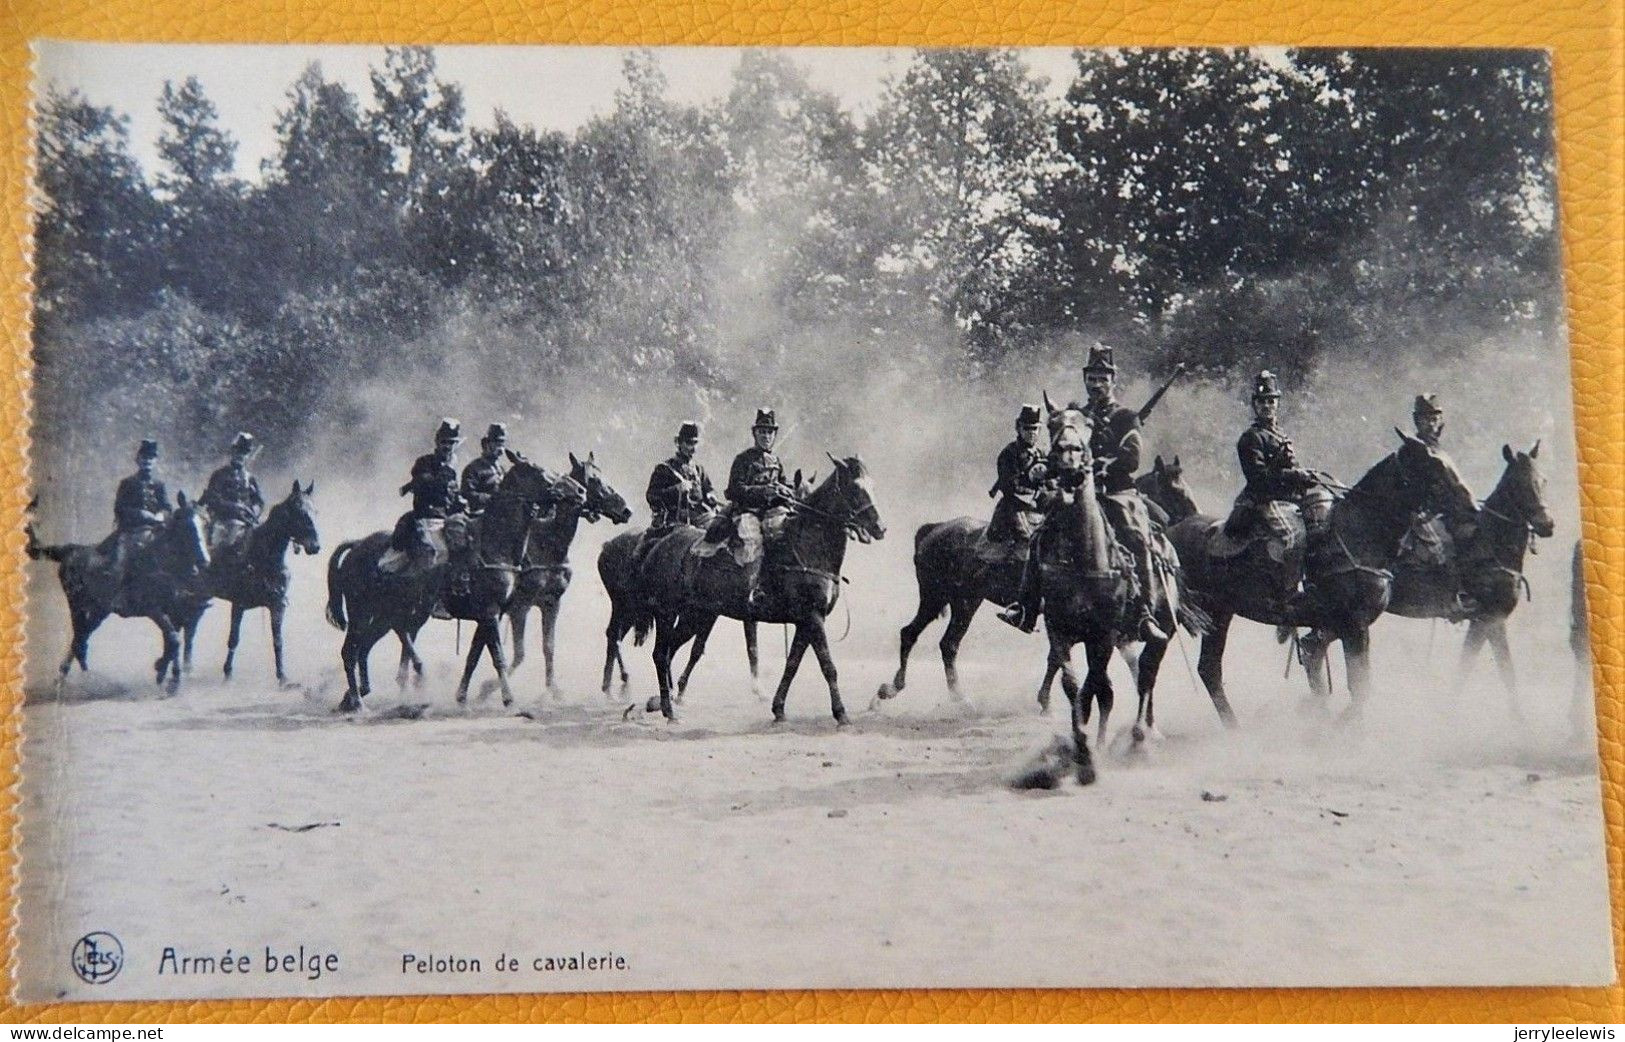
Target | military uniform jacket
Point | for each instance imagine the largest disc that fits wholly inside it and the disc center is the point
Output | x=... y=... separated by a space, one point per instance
x=1114 y=442
x=755 y=479
x=671 y=503
x=1016 y=462
x=481 y=479
x=140 y=503
x=233 y=494
x=433 y=488
x=1269 y=464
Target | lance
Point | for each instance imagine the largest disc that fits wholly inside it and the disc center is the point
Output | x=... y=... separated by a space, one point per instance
x=1151 y=403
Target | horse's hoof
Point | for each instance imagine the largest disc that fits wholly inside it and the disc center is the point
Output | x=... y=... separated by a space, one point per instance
x=886 y=693
x=842 y=721
x=626 y=714
x=1086 y=774
x=778 y=716
x=507 y=700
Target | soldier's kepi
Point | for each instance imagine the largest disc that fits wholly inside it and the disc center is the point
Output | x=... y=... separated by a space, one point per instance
x=233 y=497
x=680 y=491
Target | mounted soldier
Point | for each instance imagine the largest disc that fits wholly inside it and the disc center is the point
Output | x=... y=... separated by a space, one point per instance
x=759 y=498
x=1114 y=445
x=140 y=508
x=1429 y=543
x=1282 y=502
x=436 y=524
x=233 y=497
x=680 y=492
x=483 y=475
x=1022 y=472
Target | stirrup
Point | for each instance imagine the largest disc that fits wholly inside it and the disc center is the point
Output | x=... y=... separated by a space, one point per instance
x=1016 y=615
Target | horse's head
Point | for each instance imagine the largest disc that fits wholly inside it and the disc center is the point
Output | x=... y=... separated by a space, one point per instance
x=848 y=495
x=295 y=517
x=1071 y=418
x=1165 y=485
x=185 y=536
x=601 y=499
x=1522 y=491
x=528 y=483
x=1428 y=480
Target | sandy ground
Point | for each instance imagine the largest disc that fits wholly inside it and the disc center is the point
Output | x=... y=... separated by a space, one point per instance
x=1441 y=842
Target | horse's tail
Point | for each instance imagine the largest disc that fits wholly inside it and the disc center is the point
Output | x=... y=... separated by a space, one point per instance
x=335 y=592
x=643 y=623
x=1187 y=613
x=37 y=550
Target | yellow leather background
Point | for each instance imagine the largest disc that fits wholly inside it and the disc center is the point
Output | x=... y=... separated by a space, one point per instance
x=1588 y=39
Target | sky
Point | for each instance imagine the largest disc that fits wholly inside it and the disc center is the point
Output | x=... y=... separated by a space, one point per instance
x=551 y=88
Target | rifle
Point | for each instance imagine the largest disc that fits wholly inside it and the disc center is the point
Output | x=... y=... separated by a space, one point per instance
x=1151 y=403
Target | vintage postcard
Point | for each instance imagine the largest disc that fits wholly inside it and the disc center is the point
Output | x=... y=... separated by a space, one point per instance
x=1044 y=518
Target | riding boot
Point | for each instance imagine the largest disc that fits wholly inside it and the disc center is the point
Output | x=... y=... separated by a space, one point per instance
x=1023 y=614
x=753 y=586
x=1149 y=630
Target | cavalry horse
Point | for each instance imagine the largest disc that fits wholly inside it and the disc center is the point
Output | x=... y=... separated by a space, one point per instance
x=1088 y=599
x=1349 y=577
x=479 y=584
x=160 y=583
x=684 y=594
x=617 y=568
x=546 y=571
x=1488 y=568
x=253 y=573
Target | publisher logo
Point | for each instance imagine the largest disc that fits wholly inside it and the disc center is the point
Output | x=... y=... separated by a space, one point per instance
x=97 y=957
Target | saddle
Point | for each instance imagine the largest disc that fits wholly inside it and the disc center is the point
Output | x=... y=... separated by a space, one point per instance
x=1279 y=526
x=745 y=535
x=997 y=551
x=227 y=536
x=432 y=543
x=1427 y=544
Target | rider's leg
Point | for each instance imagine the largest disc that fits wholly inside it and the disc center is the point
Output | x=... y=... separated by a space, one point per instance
x=1023 y=614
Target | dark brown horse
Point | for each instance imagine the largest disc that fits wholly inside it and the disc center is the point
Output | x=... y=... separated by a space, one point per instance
x=617 y=562
x=546 y=573
x=1488 y=568
x=1088 y=594
x=800 y=581
x=367 y=603
x=254 y=573
x=1350 y=568
x=160 y=583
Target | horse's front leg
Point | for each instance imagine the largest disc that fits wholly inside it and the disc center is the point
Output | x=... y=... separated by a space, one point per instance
x=169 y=661
x=701 y=635
x=277 y=612
x=1083 y=762
x=1210 y=666
x=1097 y=685
x=826 y=662
x=498 y=659
x=1150 y=663
x=517 y=618
x=1357 y=655
x=476 y=648
x=792 y=662
x=550 y=626
x=188 y=636
x=1503 y=660
x=753 y=654
x=233 y=637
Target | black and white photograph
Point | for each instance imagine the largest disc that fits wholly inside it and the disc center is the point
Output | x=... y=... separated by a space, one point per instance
x=567 y=519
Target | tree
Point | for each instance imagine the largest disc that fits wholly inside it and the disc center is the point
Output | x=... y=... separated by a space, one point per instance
x=97 y=221
x=206 y=252
x=953 y=153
